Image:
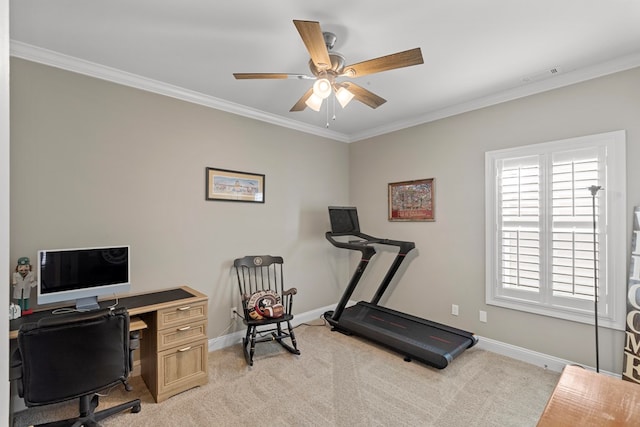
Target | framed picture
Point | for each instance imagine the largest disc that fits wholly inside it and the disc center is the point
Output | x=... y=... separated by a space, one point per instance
x=234 y=186
x=412 y=200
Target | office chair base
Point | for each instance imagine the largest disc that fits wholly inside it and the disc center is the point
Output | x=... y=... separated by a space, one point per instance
x=89 y=418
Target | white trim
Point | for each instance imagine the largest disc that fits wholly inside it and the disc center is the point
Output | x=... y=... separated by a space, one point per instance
x=92 y=69
x=236 y=337
x=5 y=406
x=66 y=62
x=542 y=360
x=615 y=181
x=565 y=79
x=524 y=355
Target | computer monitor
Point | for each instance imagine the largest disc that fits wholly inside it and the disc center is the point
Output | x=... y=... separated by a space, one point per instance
x=344 y=220
x=82 y=275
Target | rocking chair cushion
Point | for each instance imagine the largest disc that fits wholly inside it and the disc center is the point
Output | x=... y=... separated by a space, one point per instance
x=263 y=304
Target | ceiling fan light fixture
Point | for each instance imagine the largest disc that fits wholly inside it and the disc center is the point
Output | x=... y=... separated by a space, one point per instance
x=314 y=102
x=322 y=88
x=344 y=96
x=326 y=66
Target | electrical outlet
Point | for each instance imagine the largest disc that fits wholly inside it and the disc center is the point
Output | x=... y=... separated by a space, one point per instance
x=483 y=316
x=234 y=310
x=454 y=309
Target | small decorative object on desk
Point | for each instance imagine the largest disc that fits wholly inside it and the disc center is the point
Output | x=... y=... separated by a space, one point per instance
x=14 y=311
x=23 y=280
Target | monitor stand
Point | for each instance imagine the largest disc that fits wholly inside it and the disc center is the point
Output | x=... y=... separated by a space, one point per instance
x=87 y=304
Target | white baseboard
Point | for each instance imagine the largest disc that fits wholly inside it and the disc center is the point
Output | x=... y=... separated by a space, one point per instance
x=236 y=337
x=533 y=357
x=519 y=353
x=525 y=355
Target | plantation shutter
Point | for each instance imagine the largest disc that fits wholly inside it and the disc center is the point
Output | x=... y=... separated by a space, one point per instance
x=573 y=172
x=519 y=200
x=541 y=253
x=550 y=267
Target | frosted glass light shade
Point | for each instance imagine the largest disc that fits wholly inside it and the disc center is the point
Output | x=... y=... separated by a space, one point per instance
x=314 y=102
x=344 y=96
x=322 y=88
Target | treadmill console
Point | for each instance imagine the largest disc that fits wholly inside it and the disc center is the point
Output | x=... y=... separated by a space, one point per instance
x=344 y=220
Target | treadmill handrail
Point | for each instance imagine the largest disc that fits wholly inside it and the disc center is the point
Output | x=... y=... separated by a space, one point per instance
x=364 y=245
x=353 y=245
x=368 y=251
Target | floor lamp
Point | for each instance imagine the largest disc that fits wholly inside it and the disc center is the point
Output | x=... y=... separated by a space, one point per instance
x=594 y=190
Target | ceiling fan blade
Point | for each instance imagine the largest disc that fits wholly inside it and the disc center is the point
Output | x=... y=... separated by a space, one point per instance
x=313 y=39
x=385 y=63
x=363 y=95
x=301 y=104
x=242 y=76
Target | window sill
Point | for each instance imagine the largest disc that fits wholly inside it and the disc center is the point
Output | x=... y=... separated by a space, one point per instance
x=558 y=313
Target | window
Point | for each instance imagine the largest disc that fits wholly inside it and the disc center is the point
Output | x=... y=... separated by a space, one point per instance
x=540 y=248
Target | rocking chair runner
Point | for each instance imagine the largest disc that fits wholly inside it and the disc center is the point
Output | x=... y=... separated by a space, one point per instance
x=266 y=304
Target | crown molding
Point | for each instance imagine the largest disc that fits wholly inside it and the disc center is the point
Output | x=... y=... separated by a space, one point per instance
x=564 y=79
x=70 y=63
x=92 y=69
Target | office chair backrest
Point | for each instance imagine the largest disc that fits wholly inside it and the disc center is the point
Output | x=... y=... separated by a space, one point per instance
x=67 y=356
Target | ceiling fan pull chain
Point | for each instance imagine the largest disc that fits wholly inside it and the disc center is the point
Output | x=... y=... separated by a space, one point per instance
x=327 y=115
x=333 y=99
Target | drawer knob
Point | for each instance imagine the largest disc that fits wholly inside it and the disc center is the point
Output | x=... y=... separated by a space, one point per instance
x=184 y=349
x=184 y=328
x=184 y=308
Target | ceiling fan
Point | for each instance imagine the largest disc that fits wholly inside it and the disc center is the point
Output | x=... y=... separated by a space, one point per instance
x=328 y=68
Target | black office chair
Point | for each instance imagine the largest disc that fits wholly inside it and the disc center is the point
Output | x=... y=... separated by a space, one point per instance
x=266 y=305
x=75 y=356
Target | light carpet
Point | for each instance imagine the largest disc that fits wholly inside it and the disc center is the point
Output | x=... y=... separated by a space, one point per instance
x=338 y=381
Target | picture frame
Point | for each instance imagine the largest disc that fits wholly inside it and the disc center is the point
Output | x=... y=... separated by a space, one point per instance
x=234 y=186
x=412 y=200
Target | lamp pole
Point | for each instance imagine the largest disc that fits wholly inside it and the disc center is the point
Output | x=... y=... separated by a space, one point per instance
x=594 y=190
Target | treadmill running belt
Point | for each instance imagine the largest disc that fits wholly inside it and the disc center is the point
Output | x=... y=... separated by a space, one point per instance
x=430 y=342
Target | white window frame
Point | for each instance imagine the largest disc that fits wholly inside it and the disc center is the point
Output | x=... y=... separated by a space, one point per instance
x=611 y=234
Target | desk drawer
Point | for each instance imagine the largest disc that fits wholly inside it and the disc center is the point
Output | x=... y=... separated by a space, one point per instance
x=182 y=314
x=181 y=335
x=182 y=368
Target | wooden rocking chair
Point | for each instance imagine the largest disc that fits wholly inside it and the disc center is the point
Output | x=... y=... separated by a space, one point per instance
x=266 y=305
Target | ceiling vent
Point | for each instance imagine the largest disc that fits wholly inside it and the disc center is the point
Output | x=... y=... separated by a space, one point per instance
x=542 y=75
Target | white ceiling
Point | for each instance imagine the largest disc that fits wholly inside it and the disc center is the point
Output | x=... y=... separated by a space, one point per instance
x=476 y=52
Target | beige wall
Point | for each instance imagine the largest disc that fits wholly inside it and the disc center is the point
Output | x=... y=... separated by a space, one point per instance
x=96 y=163
x=449 y=268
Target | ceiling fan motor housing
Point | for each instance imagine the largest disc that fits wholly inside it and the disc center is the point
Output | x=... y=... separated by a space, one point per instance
x=329 y=39
x=337 y=65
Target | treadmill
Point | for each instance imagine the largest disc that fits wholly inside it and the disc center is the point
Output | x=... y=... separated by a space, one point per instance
x=429 y=342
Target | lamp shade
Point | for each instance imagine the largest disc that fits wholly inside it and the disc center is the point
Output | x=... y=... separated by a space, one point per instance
x=314 y=102
x=344 y=96
x=322 y=88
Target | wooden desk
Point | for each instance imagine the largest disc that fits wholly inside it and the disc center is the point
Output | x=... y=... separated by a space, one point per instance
x=584 y=398
x=174 y=344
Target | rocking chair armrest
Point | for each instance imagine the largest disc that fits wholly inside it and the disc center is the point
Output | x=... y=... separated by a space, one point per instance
x=289 y=292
